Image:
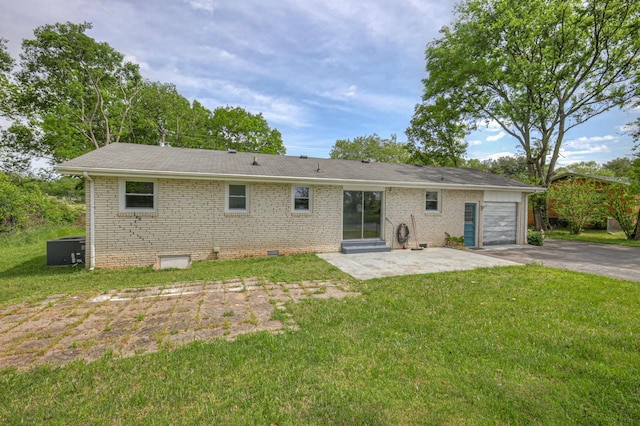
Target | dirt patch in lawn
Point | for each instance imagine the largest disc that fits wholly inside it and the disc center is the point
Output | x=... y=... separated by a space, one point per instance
x=134 y=321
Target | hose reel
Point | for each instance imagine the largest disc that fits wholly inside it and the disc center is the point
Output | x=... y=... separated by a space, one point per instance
x=403 y=234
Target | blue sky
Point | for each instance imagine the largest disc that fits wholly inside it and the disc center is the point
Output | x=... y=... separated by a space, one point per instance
x=317 y=70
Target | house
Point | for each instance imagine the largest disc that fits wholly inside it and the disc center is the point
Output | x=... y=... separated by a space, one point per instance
x=602 y=184
x=165 y=206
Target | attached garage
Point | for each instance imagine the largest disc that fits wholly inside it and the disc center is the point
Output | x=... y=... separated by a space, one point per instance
x=500 y=219
x=500 y=223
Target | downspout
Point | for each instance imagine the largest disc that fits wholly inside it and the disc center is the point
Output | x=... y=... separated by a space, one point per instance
x=92 y=221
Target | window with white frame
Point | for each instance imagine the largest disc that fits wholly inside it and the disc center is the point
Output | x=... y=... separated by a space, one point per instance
x=432 y=201
x=301 y=196
x=138 y=195
x=237 y=198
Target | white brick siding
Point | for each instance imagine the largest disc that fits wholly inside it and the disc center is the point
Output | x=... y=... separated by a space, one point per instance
x=190 y=219
x=401 y=203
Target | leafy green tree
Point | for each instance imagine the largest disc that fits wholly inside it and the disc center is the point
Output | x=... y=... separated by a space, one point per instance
x=236 y=128
x=590 y=168
x=508 y=166
x=511 y=167
x=576 y=201
x=23 y=205
x=77 y=92
x=199 y=130
x=436 y=134
x=474 y=163
x=537 y=68
x=10 y=161
x=621 y=202
x=370 y=147
x=158 y=114
x=634 y=175
x=69 y=188
x=619 y=167
x=6 y=85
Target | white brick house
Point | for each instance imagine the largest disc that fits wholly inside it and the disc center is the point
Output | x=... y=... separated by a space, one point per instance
x=146 y=204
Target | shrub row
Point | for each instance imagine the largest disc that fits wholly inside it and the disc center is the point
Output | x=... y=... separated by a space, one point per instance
x=23 y=205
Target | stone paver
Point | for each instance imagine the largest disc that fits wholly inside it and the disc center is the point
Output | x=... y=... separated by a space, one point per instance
x=127 y=322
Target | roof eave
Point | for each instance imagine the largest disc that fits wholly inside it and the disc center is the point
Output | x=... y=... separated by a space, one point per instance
x=96 y=171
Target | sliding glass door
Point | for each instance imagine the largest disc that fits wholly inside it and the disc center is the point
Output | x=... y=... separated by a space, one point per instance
x=361 y=214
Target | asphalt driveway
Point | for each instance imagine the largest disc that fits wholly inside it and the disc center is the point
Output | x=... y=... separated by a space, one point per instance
x=600 y=259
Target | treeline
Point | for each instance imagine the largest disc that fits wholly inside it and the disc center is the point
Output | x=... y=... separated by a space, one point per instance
x=70 y=94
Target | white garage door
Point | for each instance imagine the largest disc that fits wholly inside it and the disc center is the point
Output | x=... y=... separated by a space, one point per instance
x=499 y=224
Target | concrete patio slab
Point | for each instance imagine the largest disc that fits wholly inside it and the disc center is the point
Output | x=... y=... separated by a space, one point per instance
x=365 y=266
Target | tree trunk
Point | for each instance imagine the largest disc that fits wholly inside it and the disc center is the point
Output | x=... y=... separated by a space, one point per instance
x=538 y=217
x=636 y=232
x=539 y=205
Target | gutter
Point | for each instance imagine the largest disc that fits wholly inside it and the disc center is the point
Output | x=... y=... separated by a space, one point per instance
x=291 y=179
x=92 y=220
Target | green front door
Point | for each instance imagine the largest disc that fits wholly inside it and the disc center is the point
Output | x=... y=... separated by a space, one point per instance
x=361 y=215
x=470 y=224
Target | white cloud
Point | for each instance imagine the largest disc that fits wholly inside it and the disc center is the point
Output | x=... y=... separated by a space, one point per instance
x=488 y=126
x=569 y=151
x=206 y=5
x=585 y=148
x=496 y=155
x=377 y=20
x=496 y=137
x=317 y=70
x=585 y=141
x=351 y=91
x=144 y=67
x=356 y=100
x=628 y=128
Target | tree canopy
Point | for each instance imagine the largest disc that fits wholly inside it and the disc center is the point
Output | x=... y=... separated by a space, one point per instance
x=371 y=147
x=618 y=167
x=76 y=90
x=6 y=64
x=236 y=128
x=73 y=94
x=511 y=167
x=436 y=134
x=537 y=68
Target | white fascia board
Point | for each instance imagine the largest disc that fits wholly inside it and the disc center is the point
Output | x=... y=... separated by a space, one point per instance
x=283 y=179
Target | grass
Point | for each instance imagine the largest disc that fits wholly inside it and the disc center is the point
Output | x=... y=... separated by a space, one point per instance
x=594 y=236
x=512 y=345
x=25 y=276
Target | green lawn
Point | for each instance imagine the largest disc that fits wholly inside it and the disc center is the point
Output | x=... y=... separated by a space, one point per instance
x=594 y=236
x=514 y=345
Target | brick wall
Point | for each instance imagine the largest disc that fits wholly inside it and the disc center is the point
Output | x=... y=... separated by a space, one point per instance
x=191 y=220
x=401 y=203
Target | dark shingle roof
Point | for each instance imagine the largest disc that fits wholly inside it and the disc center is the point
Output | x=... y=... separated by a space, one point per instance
x=120 y=159
x=601 y=178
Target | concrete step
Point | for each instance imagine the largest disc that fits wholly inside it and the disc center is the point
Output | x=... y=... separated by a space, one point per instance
x=364 y=246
